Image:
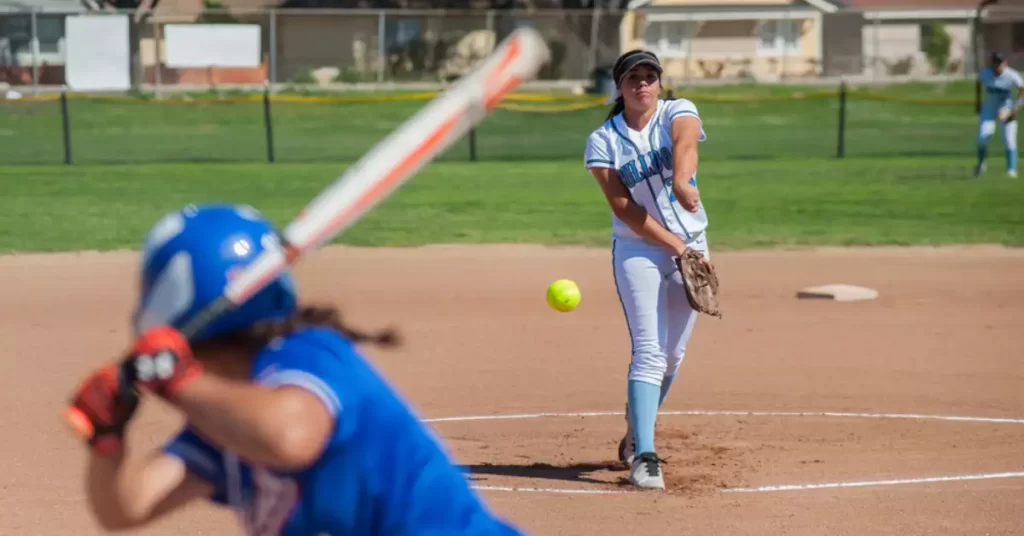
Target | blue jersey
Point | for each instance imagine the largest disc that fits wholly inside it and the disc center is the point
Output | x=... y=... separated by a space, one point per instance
x=382 y=472
x=1000 y=90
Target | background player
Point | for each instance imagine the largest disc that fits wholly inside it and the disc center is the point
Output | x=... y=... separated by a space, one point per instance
x=644 y=157
x=1000 y=83
x=286 y=423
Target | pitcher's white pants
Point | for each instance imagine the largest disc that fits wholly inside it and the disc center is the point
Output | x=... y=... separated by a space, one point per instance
x=658 y=315
x=988 y=127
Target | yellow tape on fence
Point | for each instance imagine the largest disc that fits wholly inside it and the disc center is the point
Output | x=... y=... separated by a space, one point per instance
x=753 y=99
x=560 y=103
x=867 y=95
x=36 y=98
x=595 y=103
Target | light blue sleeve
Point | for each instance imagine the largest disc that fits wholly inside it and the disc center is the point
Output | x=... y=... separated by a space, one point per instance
x=985 y=76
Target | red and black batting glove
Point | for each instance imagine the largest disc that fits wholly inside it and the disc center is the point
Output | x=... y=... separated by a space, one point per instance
x=101 y=408
x=161 y=362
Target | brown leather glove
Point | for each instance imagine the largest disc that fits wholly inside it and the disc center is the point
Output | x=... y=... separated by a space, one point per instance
x=701 y=282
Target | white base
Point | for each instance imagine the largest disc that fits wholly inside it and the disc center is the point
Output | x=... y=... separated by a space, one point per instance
x=838 y=293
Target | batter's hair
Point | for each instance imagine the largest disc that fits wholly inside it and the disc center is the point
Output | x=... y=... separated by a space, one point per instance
x=260 y=334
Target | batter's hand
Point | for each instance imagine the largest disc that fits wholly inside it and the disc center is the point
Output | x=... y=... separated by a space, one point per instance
x=161 y=362
x=101 y=408
x=690 y=198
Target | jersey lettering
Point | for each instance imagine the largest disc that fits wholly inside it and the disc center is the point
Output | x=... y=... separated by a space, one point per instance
x=653 y=163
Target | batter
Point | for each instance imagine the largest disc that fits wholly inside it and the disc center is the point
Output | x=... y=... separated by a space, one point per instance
x=644 y=157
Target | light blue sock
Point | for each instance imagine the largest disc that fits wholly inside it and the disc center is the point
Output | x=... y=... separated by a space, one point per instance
x=982 y=151
x=643 y=410
x=1011 y=160
x=666 y=384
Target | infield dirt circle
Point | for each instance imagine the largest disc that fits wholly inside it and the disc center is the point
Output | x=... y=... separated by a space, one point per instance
x=943 y=339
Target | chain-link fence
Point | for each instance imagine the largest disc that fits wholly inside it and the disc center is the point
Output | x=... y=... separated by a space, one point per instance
x=814 y=122
x=333 y=47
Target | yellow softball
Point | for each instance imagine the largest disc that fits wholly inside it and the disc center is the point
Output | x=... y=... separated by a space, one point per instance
x=563 y=295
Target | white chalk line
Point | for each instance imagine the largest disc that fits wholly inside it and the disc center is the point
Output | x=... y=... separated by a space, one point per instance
x=571 y=491
x=758 y=489
x=873 y=483
x=788 y=487
x=831 y=414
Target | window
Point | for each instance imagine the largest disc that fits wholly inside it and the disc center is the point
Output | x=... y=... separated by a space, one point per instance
x=925 y=37
x=16 y=40
x=51 y=32
x=406 y=31
x=778 y=37
x=669 y=38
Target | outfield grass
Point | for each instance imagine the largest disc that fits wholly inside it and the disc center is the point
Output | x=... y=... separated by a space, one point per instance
x=804 y=124
x=750 y=203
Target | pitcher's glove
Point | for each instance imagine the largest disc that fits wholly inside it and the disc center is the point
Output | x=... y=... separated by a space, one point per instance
x=701 y=282
x=1007 y=115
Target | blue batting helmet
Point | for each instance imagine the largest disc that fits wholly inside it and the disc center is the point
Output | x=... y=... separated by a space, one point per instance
x=187 y=260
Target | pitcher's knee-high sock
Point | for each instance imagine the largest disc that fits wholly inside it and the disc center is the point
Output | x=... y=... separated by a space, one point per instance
x=985 y=133
x=643 y=410
x=1010 y=143
x=666 y=384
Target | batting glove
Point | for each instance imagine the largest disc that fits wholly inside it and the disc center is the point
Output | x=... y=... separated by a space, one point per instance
x=101 y=408
x=161 y=362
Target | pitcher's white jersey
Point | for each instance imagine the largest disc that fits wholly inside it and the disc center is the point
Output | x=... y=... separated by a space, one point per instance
x=999 y=90
x=644 y=161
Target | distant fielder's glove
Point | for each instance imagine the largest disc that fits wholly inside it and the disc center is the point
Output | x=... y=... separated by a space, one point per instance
x=161 y=362
x=701 y=282
x=101 y=408
x=1008 y=114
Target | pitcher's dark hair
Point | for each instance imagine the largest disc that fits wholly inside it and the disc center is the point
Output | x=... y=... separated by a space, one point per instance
x=624 y=64
x=258 y=335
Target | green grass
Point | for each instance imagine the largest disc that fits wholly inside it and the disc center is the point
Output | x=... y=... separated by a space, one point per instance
x=757 y=127
x=750 y=203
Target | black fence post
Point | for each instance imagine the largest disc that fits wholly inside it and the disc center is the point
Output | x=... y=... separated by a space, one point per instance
x=66 y=123
x=268 y=123
x=841 y=142
x=472 y=144
x=977 y=96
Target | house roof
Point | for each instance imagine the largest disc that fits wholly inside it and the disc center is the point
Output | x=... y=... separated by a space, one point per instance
x=720 y=6
x=43 y=5
x=910 y=4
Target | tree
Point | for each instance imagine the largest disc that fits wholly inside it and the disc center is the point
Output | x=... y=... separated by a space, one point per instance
x=937 y=45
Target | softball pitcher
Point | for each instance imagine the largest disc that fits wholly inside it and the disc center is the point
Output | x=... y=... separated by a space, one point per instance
x=1000 y=83
x=644 y=157
x=286 y=423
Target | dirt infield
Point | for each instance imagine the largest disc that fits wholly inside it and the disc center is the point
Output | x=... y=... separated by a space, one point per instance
x=943 y=339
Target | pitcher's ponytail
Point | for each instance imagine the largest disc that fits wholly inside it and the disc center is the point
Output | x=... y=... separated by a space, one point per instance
x=617 y=108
